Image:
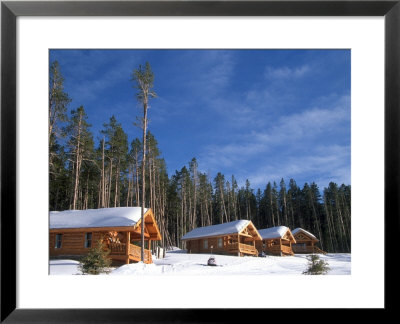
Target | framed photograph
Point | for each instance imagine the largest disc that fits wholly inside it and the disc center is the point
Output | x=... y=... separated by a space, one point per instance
x=330 y=69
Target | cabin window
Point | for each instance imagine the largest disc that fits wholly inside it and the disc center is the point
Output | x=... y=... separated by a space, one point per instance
x=205 y=244
x=58 y=241
x=220 y=242
x=88 y=240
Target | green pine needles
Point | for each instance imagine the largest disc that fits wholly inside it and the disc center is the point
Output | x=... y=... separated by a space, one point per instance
x=316 y=266
x=96 y=261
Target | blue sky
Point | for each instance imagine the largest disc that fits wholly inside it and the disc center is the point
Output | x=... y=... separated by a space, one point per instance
x=260 y=115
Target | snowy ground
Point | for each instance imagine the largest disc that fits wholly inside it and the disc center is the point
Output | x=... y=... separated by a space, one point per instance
x=178 y=262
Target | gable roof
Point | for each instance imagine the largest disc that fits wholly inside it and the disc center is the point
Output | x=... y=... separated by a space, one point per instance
x=102 y=217
x=217 y=230
x=299 y=230
x=273 y=232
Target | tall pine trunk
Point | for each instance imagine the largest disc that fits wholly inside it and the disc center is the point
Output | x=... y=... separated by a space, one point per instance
x=77 y=163
x=143 y=179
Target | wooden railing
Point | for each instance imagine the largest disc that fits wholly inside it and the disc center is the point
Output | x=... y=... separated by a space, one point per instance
x=277 y=249
x=286 y=249
x=117 y=248
x=302 y=249
x=134 y=251
x=245 y=248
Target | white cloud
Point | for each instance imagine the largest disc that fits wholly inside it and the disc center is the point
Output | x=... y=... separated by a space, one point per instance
x=211 y=74
x=320 y=165
x=92 y=88
x=286 y=72
x=305 y=141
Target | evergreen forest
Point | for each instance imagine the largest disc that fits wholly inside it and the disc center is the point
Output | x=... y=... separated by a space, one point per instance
x=110 y=172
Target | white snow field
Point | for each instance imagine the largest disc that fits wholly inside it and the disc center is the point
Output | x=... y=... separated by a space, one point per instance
x=64 y=267
x=178 y=262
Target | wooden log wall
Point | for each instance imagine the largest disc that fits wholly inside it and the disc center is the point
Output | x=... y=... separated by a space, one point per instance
x=72 y=243
x=197 y=246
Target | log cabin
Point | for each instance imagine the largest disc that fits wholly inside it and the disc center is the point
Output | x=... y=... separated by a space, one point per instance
x=73 y=232
x=233 y=238
x=276 y=240
x=305 y=242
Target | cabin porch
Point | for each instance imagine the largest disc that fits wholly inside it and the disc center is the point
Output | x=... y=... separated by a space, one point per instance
x=121 y=250
x=306 y=248
x=229 y=244
x=278 y=247
x=118 y=252
x=242 y=249
x=242 y=244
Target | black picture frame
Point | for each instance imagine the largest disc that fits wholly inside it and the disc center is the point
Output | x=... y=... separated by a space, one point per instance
x=10 y=10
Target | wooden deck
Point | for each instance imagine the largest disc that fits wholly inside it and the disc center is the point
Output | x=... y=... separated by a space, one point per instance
x=279 y=249
x=118 y=252
x=242 y=248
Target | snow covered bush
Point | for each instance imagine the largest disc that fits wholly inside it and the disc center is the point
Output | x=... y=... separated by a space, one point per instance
x=316 y=266
x=96 y=261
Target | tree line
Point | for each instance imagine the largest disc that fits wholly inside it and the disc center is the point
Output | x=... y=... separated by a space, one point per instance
x=112 y=172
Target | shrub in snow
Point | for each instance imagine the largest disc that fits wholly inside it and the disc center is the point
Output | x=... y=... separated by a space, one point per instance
x=96 y=261
x=316 y=266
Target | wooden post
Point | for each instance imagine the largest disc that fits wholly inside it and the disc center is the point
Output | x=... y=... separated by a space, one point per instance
x=238 y=245
x=149 y=246
x=127 y=246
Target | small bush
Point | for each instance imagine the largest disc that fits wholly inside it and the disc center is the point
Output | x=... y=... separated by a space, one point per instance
x=96 y=261
x=316 y=266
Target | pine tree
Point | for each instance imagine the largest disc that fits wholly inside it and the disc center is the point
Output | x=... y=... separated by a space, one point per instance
x=193 y=167
x=293 y=196
x=316 y=266
x=80 y=149
x=234 y=198
x=143 y=79
x=96 y=261
x=275 y=203
x=219 y=183
x=283 y=203
x=338 y=220
x=247 y=199
x=59 y=181
x=134 y=166
x=257 y=221
x=271 y=219
x=58 y=103
x=116 y=152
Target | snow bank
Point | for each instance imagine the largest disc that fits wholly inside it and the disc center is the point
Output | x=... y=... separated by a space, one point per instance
x=64 y=267
x=181 y=264
x=273 y=232
x=103 y=217
x=216 y=230
x=134 y=268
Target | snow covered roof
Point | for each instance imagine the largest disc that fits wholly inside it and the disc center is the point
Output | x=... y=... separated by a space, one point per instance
x=217 y=230
x=296 y=230
x=273 y=232
x=103 y=217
